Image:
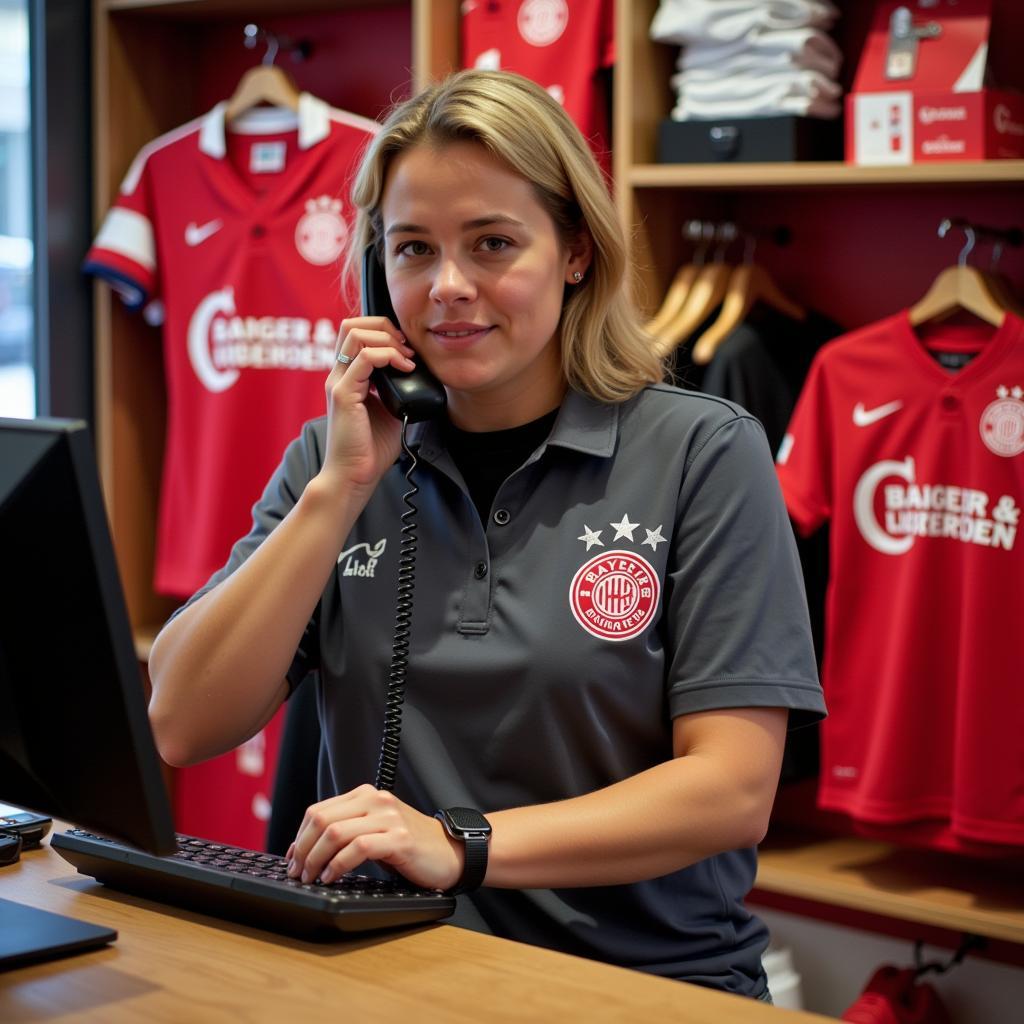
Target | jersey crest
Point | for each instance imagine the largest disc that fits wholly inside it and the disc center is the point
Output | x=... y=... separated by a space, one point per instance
x=542 y=22
x=614 y=596
x=1002 y=423
x=321 y=232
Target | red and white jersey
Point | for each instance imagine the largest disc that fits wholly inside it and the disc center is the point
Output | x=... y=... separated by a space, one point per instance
x=559 y=44
x=228 y=798
x=920 y=469
x=233 y=237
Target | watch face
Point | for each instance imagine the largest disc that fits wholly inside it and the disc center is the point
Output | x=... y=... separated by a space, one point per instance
x=464 y=819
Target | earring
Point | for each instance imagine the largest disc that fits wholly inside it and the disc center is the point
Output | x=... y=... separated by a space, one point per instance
x=577 y=276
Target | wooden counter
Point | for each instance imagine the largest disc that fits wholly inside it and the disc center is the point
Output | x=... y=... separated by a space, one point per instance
x=172 y=965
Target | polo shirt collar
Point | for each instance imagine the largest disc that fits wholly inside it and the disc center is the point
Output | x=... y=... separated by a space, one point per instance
x=583 y=424
x=312 y=121
x=586 y=425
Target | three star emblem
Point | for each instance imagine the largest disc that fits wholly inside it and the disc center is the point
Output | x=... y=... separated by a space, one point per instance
x=623 y=528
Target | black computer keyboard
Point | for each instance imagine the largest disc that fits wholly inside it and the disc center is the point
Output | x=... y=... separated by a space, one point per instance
x=245 y=885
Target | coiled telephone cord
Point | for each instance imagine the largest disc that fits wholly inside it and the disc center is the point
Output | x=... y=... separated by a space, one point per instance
x=387 y=766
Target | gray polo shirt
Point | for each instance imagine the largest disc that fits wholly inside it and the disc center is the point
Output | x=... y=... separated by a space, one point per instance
x=640 y=565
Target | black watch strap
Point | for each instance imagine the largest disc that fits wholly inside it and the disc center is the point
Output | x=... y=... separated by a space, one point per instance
x=473 y=830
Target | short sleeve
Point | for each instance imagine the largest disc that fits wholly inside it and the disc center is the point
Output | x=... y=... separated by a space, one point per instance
x=301 y=462
x=804 y=459
x=124 y=252
x=737 y=628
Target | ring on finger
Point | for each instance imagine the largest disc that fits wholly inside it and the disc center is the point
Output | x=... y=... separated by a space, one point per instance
x=344 y=359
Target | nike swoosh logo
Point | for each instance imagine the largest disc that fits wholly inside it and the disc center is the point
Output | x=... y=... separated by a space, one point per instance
x=196 y=234
x=865 y=417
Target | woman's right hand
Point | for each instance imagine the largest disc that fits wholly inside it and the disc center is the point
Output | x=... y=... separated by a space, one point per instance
x=363 y=438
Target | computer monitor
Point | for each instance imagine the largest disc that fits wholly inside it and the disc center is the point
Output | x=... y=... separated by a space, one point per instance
x=75 y=739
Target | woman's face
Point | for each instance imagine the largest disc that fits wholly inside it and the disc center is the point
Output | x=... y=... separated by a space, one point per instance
x=476 y=271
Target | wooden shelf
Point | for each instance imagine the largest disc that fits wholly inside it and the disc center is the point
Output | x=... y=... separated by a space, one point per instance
x=946 y=891
x=822 y=175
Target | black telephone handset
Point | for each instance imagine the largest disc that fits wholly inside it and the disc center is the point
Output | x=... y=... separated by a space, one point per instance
x=409 y=397
x=413 y=396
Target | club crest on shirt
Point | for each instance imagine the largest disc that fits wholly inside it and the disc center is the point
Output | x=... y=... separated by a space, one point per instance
x=614 y=595
x=321 y=233
x=542 y=22
x=1002 y=423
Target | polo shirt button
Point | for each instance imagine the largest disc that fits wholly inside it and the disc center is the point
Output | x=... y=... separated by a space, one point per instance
x=502 y=516
x=480 y=570
x=258 y=231
x=950 y=402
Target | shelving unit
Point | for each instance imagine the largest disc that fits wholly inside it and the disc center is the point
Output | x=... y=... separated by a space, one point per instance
x=843 y=220
x=940 y=890
x=864 y=245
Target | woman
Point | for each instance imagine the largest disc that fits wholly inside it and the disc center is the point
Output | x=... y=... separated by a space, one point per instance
x=609 y=630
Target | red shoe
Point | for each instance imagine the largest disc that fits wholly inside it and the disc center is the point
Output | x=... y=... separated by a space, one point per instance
x=894 y=996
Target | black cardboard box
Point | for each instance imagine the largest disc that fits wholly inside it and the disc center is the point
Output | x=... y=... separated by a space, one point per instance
x=750 y=140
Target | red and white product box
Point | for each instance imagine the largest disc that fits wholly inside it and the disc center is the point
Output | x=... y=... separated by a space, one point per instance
x=918 y=95
x=905 y=127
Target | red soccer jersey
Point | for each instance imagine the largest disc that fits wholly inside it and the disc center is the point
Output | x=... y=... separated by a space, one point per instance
x=559 y=44
x=920 y=469
x=228 y=798
x=233 y=237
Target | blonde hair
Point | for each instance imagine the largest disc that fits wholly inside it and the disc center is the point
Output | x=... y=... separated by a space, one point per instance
x=605 y=352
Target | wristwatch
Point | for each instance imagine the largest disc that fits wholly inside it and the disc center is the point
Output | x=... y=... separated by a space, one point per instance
x=473 y=830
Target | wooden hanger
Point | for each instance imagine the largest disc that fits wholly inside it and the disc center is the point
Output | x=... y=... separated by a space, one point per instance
x=265 y=83
x=966 y=288
x=958 y=287
x=702 y=233
x=674 y=299
x=1002 y=291
x=748 y=285
x=1000 y=285
x=703 y=298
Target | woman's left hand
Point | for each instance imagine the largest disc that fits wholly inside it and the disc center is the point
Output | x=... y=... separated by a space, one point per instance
x=338 y=834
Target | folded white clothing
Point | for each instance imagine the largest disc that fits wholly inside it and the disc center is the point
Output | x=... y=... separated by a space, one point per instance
x=743 y=88
x=796 y=47
x=759 y=66
x=766 y=105
x=722 y=21
x=824 y=110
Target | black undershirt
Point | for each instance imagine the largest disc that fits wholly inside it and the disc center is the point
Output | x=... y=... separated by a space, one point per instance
x=486 y=459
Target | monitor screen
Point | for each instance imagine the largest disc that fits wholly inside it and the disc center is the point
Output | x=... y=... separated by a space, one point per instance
x=75 y=740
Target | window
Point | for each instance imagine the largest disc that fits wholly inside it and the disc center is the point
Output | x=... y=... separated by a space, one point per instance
x=17 y=374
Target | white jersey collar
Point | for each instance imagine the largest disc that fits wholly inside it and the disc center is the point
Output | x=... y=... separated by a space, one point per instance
x=312 y=121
